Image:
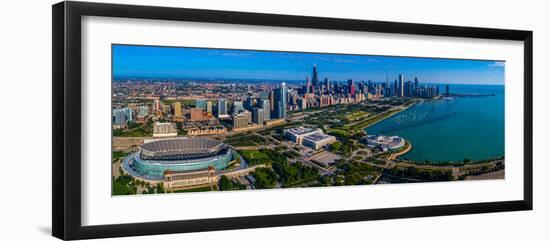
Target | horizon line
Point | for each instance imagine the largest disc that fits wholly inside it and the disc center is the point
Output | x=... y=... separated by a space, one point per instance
x=274 y=80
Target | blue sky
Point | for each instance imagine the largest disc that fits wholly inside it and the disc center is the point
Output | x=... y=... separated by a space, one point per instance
x=178 y=62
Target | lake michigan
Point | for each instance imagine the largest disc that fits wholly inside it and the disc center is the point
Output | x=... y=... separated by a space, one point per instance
x=451 y=129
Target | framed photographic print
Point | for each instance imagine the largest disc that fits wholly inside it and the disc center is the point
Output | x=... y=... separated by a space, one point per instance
x=229 y=120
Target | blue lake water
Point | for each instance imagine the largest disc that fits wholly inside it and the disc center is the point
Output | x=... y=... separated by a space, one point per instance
x=451 y=130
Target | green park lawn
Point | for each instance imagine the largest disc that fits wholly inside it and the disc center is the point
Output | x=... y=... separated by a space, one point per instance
x=254 y=156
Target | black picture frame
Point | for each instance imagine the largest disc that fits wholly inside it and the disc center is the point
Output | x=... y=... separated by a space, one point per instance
x=66 y=127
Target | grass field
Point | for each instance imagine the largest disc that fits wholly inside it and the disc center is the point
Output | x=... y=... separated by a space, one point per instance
x=356 y=115
x=254 y=157
x=338 y=132
x=241 y=141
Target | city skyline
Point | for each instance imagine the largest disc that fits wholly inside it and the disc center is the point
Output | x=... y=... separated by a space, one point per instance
x=330 y=127
x=182 y=62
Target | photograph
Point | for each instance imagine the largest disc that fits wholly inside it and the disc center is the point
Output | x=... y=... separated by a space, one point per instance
x=275 y=120
x=192 y=119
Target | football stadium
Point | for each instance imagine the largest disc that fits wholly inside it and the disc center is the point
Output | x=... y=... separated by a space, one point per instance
x=156 y=157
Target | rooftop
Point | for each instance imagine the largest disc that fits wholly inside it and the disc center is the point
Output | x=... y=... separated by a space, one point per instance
x=317 y=137
x=391 y=142
x=302 y=130
x=182 y=148
x=163 y=123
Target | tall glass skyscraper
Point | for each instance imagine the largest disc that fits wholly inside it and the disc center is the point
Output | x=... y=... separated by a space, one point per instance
x=315 y=78
x=222 y=107
x=265 y=104
x=280 y=101
x=122 y=116
x=200 y=104
x=401 y=92
x=237 y=107
x=351 y=87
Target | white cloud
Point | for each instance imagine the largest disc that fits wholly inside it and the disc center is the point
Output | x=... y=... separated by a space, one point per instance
x=237 y=54
x=497 y=64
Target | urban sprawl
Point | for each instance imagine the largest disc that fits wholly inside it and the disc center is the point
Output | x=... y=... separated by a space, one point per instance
x=208 y=135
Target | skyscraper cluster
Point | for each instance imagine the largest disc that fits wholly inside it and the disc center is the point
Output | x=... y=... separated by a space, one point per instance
x=315 y=87
x=269 y=105
x=403 y=88
x=400 y=87
x=265 y=104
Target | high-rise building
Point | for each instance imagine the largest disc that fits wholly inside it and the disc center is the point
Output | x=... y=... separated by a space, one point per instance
x=166 y=108
x=327 y=85
x=308 y=88
x=388 y=92
x=209 y=108
x=265 y=105
x=370 y=85
x=120 y=116
x=416 y=83
x=302 y=103
x=427 y=92
x=284 y=99
x=432 y=92
x=248 y=115
x=258 y=116
x=237 y=107
x=378 y=89
x=143 y=111
x=264 y=95
x=176 y=107
x=293 y=97
x=281 y=101
x=315 y=78
x=249 y=103
x=395 y=88
x=222 y=107
x=401 y=92
x=447 y=90
x=351 y=87
x=409 y=89
x=272 y=101
x=324 y=100
x=164 y=130
x=156 y=105
x=129 y=114
x=200 y=104
x=240 y=121
x=133 y=106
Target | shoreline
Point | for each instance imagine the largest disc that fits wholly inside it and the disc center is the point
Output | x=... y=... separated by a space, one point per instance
x=450 y=164
x=455 y=163
x=393 y=156
x=390 y=115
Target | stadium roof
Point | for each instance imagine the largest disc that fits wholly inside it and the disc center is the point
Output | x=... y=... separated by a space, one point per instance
x=181 y=148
